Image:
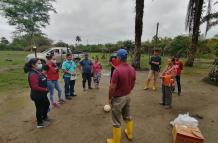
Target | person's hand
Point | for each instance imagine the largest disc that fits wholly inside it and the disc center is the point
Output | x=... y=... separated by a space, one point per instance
x=73 y=74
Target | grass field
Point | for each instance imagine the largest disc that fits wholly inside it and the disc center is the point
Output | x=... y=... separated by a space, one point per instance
x=13 y=77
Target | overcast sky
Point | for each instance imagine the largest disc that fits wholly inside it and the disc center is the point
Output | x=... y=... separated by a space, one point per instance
x=103 y=21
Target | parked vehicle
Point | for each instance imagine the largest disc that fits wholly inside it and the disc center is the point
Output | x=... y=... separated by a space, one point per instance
x=59 y=54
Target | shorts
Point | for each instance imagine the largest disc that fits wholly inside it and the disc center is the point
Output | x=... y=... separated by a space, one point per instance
x=153 y=75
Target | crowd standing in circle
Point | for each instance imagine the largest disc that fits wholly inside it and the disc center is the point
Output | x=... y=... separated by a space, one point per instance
x=45 y=78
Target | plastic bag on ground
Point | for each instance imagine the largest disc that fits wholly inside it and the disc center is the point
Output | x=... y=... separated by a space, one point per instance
x=185 y=119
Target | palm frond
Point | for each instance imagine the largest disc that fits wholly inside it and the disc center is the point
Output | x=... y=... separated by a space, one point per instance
x=212 y=24
x=208 y=20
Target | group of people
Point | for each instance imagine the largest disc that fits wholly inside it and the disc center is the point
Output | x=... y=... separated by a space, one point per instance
x=170 y=74
x=44 y=79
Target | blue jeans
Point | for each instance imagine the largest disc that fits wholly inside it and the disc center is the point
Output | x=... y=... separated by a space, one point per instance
x=69 y=86
x=54 y=84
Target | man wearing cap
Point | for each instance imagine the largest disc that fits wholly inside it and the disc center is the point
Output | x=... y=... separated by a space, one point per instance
x=86 y=68
x=122 y=83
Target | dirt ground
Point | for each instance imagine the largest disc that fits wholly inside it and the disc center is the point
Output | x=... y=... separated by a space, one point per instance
x=83 y=120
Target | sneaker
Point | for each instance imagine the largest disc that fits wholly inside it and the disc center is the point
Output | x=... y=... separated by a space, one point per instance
x=161 y=103
x=90 y=88
x=74 y=94
x=69 y=98
x=179 y=93
x=55 y=105
x=84 y=89
x=47 y=119
x=61 y=101
x=41 y=125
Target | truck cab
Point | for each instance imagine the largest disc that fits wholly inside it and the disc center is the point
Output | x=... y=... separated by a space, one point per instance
x=58 y=52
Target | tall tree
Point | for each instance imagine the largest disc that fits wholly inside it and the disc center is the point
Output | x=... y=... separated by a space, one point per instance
x=29 y=16
x=138 y=33
x=193 y=21
x=211 y=18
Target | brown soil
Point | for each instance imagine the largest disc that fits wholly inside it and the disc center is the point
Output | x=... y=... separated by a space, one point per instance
x=83 y=120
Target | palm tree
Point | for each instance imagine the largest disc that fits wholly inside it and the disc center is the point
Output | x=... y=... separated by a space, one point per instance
x=138 y=33
x=211 y=18
x=78 y=39
x=194 y=19
x=193 y=22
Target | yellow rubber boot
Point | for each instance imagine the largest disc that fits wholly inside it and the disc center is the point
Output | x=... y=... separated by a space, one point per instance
x=116 y=136
x=146 y=86
x=154 y=86
x=129 y=130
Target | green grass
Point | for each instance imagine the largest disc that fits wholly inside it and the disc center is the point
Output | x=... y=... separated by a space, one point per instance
x=11 y=70
x=13 y=77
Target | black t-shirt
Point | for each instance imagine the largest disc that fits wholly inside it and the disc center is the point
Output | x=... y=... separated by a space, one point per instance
x=155 y=67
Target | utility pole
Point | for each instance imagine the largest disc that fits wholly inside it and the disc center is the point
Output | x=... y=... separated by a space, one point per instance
x=156 y=40
x=156 y=37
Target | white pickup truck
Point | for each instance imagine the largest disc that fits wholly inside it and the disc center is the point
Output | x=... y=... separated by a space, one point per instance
x=59 y=54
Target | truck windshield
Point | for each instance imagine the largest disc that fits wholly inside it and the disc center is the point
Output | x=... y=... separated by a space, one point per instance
x=46 y=51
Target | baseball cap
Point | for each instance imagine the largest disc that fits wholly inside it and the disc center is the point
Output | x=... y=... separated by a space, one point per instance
x=122 y=53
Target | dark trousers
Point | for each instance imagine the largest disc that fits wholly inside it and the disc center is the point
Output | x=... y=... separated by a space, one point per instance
x=166 y=95
x=178 y=83
x=87 y=76
x=42 y=105
x=69 y=86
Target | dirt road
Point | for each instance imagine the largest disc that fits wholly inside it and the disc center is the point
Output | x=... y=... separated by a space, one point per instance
x=82 y=120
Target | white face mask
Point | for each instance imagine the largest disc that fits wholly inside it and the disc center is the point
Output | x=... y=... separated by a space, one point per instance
x=38 y=66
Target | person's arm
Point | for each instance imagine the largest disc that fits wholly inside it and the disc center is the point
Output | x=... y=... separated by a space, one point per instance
x=134 y=79
x=34 y=83
x=113 y=86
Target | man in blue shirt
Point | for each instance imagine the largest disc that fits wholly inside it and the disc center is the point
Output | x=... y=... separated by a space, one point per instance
x=86 y=68
x=69 y=67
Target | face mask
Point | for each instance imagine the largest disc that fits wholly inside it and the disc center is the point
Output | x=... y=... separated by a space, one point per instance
x=39 y=66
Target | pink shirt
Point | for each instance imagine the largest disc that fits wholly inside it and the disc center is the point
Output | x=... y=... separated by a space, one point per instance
x=97 y=67
x=124 y=77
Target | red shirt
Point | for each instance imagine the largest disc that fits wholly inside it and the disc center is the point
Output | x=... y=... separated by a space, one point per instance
x=179 y=67
x=124 y=77
x=52 y=72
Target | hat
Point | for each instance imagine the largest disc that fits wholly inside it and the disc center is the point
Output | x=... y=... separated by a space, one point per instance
x=122 y=53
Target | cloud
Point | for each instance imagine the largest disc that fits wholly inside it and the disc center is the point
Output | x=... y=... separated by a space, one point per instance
x=102 y=21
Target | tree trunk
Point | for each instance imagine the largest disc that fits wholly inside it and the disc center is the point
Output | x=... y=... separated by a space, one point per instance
x=196 y=28
x=138 y=33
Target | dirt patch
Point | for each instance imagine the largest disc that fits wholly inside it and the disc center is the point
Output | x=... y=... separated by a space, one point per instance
x=82 y=120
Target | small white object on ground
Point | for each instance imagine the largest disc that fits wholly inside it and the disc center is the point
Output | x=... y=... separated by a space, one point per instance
x=107 y=108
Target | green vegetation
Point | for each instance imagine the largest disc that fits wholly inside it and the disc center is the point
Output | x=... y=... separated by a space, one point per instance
x=12 y=62
x=29 y=16
x=11 y=71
